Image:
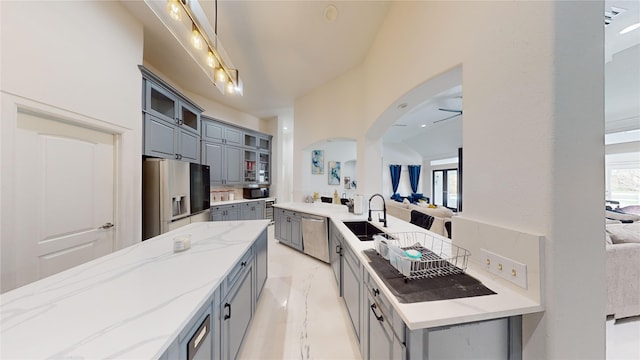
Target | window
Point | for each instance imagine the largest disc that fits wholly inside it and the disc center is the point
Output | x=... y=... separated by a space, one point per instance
x=623 y=178
x=445 y=188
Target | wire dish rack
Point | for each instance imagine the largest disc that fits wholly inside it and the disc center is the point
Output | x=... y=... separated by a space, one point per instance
x=439 y=257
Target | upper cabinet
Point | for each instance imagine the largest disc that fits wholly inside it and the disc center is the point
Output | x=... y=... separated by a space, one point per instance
x=217 y=132
x=235 y=155
x=171 y=121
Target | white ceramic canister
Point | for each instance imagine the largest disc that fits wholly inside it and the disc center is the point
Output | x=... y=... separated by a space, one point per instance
x=232 y=195
x=357 y=204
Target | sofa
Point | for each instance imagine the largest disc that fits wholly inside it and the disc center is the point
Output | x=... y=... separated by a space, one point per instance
x=441 y=215
x=622 y=242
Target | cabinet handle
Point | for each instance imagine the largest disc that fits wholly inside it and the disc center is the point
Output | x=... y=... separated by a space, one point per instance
x=376 y=292
x=181 y=122
x=373 y=309
x=177 y=121
x=177 y=156
x=227 y=316
x=243 y=264
x=338 y=249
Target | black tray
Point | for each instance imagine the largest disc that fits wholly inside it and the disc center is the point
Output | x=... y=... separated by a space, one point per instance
x=419 y=290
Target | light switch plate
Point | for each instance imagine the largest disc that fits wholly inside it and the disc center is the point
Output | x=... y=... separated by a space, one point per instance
x=504 y=267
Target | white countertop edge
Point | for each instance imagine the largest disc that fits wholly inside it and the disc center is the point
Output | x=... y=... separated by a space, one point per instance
x=429 y=313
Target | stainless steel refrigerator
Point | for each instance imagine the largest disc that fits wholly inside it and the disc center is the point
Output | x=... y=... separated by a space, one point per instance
x=165 y=195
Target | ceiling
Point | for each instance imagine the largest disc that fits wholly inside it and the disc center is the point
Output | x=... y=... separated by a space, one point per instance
x=284 y=49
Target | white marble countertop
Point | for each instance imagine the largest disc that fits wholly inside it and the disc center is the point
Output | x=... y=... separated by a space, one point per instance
x=238 y=201
x=129 y=304
x=431 y=313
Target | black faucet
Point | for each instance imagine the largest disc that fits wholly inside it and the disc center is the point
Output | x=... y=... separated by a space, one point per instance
x=384 y=209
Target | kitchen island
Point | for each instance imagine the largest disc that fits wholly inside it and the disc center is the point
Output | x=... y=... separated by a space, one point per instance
x=409 y=327
x=145 y=301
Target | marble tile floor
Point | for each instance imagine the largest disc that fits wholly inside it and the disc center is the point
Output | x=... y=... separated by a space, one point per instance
x=300 y=316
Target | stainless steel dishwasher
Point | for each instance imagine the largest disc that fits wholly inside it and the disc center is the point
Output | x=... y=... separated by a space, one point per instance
x=314 y=237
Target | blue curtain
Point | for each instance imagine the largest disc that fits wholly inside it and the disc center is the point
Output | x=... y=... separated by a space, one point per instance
x=395 y=180
x=414 y=176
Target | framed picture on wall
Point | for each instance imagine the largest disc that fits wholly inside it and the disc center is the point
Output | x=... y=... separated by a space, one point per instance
x=334 y=172
x=317 y=162
x=347 y=182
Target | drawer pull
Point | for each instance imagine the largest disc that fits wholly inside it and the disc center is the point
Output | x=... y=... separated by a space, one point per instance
x=243 y=264
x=227 y=316
x=376 y=292
x=373 y=309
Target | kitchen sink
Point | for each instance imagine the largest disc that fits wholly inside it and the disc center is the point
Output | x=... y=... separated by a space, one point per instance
x=364 y=230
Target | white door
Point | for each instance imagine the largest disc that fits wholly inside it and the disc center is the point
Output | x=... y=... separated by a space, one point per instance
x=64 y=196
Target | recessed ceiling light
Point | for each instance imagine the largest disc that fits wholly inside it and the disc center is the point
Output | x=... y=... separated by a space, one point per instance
x=330 y=13
x=423 y=125
x=403 y=105
x=629 y=28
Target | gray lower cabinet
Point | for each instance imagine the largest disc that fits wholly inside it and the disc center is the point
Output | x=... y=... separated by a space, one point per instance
x=252 y=210
x=236 y=311
x=288 y=230
x=352 y=288
x=335 y=255
x=218 y=328
x=225 y=213
x=260 y=249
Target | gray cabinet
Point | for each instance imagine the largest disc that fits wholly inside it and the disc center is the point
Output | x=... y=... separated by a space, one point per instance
x=383 y=332
x=335 y=255
x=224 y=163
x=225 y=213
x=352 y=287
x=236 y=310
x=288 y=229
x=236 y=156
x=252 y=210
x=261 y=263
x=217 y=132
x=164 y=140
x=171 y=121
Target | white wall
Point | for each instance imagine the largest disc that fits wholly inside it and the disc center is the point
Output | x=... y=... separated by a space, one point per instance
x=334 y=150
x=399 y=154
x=78 y=60
x=530 y=79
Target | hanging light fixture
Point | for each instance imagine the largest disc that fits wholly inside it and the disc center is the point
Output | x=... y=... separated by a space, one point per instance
x=188 y=23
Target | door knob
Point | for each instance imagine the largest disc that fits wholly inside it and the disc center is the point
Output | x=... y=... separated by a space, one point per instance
x=106 y=226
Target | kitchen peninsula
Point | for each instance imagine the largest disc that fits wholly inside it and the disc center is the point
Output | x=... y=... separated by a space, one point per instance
x=145 y=301
x=388 y=328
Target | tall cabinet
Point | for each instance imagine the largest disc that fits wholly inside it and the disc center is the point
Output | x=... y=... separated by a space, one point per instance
x=236 y=156
x=171 y=121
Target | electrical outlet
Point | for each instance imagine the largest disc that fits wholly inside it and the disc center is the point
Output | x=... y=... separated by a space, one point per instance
x=506 y=268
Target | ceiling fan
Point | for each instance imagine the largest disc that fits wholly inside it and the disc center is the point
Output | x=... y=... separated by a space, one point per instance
x=457 y=113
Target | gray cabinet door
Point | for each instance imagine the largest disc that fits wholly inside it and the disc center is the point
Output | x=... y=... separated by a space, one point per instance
x=259 y=209
x=232 y=213
x=233 y=161
x=335 y=256
x=217 y=214
x=247 y=211
x=188 y=146
x=233 y=136
x=159 y=138
x=352 y=288
x=261 y=263
x=213 y=155
x=235 y=314
x=296 y=232
x=279 y=221
x=160 y=102
x=379 y=341
x=189 y=118
x=212 y=131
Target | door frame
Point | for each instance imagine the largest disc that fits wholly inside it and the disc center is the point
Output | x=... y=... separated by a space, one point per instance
x=10 y=106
